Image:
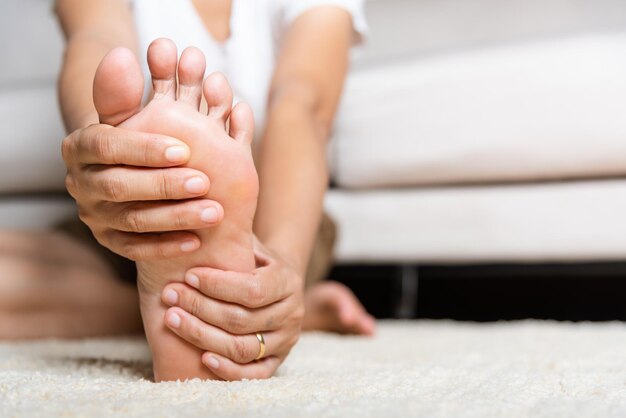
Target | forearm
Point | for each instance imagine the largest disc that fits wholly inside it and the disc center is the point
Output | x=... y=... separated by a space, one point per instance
x=304 y=96
x=92 y=28
x=82 y=57
x=293 y=177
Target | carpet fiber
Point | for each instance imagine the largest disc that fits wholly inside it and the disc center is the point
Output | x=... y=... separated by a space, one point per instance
x=430 y=369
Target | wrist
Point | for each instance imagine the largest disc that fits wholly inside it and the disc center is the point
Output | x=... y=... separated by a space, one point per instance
x=289 y=255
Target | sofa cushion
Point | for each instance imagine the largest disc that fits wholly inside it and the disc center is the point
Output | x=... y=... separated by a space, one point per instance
x=35 y=213
x=30 y=155
x=539 y=110
x=30 y=150
x=552 y=222
x=402 y=30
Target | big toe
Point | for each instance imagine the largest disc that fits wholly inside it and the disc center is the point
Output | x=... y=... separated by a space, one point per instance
x=162 y=60
x=366 y=324
x=117 y=86
x=191 y=69
x=353 y=319
x=218 y=96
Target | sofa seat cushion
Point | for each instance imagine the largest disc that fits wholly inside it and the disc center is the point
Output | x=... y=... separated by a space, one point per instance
x=550 y=222
x=542 y=110
x=35 y=213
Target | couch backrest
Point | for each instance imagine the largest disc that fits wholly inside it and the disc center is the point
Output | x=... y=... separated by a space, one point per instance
x=406 y=29
x=31 y=130
x=400 y=29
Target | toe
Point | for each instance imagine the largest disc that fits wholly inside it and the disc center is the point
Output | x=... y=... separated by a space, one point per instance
x=218 y=96
x=162 y=60
x=242 y=123
x=368 y=325
x=117 y=86
x=191 y=69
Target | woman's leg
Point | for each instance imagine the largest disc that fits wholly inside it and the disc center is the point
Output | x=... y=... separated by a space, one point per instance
x=331 y=306
x=52 y=285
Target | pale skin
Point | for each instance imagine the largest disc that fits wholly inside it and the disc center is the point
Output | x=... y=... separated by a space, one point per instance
x=304 y=95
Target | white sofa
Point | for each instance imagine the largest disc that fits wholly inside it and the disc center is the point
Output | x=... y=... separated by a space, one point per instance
x=470 y=131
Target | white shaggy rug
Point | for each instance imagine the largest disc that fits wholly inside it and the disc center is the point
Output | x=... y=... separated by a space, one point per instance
x=429 y=369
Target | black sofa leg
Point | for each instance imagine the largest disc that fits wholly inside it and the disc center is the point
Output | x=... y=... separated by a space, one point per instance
x=407 y=280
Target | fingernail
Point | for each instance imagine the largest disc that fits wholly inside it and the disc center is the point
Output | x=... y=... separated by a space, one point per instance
x=192 y=280
x=213 y=363
x=176 y=154
x=173 y=320
x=209 y=215
x=189 y=246
x=195 y=185
x=171 y=297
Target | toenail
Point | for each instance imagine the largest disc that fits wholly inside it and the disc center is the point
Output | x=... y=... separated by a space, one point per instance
x=192 y=280
x=171 y=297
x=173 y=320
x=209 y=215
x=176 y=154
x=213 y=363
x=188 y=246
x=195 y=185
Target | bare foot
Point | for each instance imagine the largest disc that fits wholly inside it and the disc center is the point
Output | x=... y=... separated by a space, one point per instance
x=331 y=306
x=225 y=157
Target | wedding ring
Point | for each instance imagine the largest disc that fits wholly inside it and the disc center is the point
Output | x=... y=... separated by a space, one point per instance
x=259 y=337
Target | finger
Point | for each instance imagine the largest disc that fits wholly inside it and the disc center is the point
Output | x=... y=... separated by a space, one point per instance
x=129 y=184
x=226 y=369
x=241 y=349
x=232 y=318
x=262 y=287
x=142 y=247
x=164 y=216
x=103 y=144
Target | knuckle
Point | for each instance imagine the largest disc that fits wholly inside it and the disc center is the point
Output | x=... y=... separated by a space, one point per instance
x=256 y=292
x=208 y=285
x=180 y=218
x=133 y=221
x=160 y=251
x=194 y=305
x=164 y=185
x=130 y=249
x=114 y=188
x=196 y=335
x=236 y=320
x=102 y=146
x=67 y=148
x=148 y=149
x=103 y=237
x=70 y=185
x=240 y=352
x=84 y=215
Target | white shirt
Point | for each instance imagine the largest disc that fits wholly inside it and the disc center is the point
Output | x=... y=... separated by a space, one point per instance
x=248 y=56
